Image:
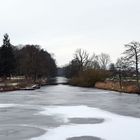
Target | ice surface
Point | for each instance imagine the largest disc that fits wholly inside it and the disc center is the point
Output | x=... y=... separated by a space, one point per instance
x=115 y=127
x=7 y=105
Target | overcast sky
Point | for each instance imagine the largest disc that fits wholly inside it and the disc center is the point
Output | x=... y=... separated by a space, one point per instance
x=62 y=26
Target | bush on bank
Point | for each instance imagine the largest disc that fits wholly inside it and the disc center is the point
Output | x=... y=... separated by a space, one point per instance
x=88 y=78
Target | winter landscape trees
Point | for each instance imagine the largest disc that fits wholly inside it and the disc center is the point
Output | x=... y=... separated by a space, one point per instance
x=132 y=56
x=34 y=63
x=29 y=60
x=86 y=70
x=7 y=58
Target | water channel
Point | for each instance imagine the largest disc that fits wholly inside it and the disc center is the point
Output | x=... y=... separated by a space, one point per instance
x=63 y=112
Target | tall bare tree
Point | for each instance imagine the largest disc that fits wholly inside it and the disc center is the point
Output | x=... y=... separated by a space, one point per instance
x=132 y=55
x=104 y=60
x=93 y=62
x=82 y=57
x=121 y=67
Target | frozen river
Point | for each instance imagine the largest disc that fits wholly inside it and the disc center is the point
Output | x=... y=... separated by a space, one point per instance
x=63 y=112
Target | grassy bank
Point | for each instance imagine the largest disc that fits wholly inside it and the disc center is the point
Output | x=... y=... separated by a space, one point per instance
x=97 y=78
x=18 y=83
x=128 y=87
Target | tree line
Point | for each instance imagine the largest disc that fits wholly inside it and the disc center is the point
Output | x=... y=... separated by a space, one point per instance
x=86 y=70
x=82 y=61
x=127 y=66
x=30 y=61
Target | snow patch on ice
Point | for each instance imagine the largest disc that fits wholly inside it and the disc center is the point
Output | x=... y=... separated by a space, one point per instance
x=7 y=105
x=115 y=127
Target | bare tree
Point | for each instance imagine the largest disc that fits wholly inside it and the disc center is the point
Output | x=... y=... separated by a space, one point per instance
x=93 y=62
x=82 y=57
x=132 y=53
x=104 y=60
x=112 y=69
x=121 y=67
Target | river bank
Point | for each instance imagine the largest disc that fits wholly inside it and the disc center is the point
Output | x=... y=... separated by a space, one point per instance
x=24 y=84
x=20 y=83
x=127 y=87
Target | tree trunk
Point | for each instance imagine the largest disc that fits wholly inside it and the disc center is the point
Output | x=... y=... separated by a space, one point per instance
x=137 y=72
x=120 y=79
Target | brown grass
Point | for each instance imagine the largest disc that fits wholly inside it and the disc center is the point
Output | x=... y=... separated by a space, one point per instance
x=129 y=87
